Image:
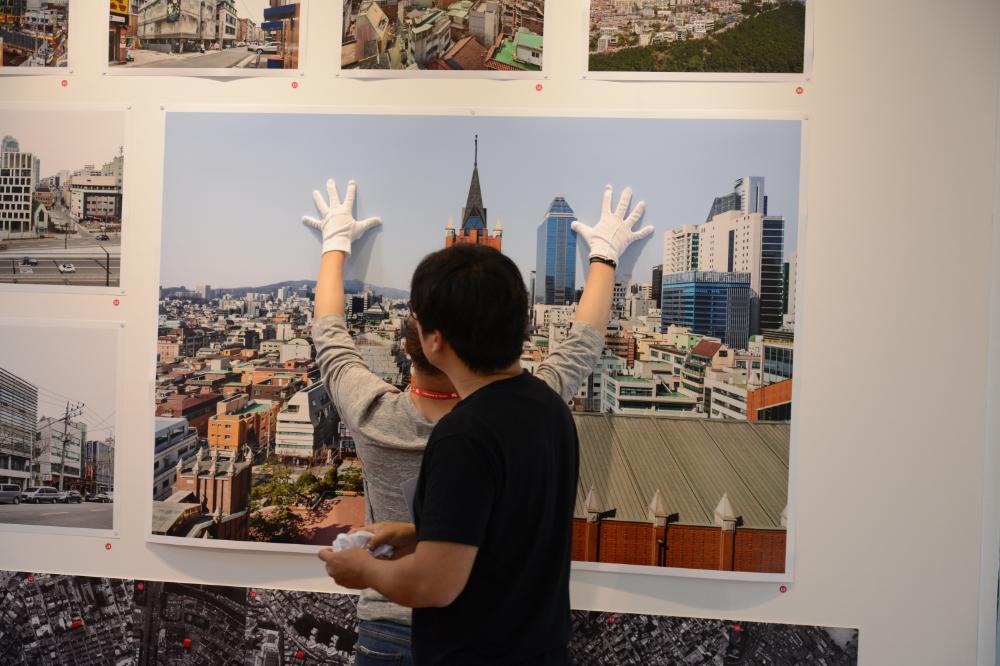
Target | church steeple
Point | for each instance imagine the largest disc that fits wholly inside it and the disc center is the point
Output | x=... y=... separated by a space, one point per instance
x=474 y=213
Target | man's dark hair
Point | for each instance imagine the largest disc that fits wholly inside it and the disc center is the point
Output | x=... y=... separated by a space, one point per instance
x=411 y=340
x=475 y=297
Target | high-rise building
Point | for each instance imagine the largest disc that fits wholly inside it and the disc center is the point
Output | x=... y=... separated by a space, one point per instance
x=681 y=248
x=18 y=414
x=555 y=256
x=17 y=182
x=657 y=284
x=791 y=288
x=715 y=304
x=484 y=22
x=748 y=196
x=474 y=229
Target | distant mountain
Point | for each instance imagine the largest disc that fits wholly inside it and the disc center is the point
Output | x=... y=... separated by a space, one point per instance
x=350 y=286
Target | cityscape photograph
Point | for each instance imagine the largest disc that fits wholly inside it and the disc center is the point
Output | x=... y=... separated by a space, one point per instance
x=718 y=36
x=59 y=619
x=34 y=33
x=684 y=423
x=444 y=35
x=57 y=427
x=244 y=35
x=61 y=207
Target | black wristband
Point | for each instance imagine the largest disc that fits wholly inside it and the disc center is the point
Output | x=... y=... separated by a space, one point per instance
x=604 y=260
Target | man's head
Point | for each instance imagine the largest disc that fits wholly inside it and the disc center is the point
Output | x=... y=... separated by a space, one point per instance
x=411 y=343
x=473 y=298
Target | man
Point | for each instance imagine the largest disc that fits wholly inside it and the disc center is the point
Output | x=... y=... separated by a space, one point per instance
x=487 y=563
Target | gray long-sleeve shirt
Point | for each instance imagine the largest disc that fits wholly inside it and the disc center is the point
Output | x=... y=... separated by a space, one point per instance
x=390 y=433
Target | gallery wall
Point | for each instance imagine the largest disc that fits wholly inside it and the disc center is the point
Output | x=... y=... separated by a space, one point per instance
x=900 y=175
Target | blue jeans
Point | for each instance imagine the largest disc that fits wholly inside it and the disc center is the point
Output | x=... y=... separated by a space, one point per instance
x=381 y=643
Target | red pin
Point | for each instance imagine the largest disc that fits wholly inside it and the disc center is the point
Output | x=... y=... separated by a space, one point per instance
x=300 y=655
x=31 y=579
x=538 y=87
x=253 y=594
x=116 y=302
x=140 y=586
x=612 y=619
x=76 y=624
x=295 y=84
x=737 y=627
x=186 y=643
x=799 y=90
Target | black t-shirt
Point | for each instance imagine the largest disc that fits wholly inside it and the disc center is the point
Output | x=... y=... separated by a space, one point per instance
x=500 y=473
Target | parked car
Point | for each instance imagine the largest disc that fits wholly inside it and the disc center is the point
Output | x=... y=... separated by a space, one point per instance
x=10 y=493
x=103 y=237
x=266 y=47
x=67 y=268
x=69 y=496
x=99 y=497
x=28 y=261
x=39 y=494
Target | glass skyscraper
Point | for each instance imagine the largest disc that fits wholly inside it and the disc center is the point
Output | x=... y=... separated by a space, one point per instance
x=555 y=273
x=714 y=304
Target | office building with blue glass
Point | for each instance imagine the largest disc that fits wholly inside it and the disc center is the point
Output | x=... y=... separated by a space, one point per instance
x=555 y=272
x=709 y=303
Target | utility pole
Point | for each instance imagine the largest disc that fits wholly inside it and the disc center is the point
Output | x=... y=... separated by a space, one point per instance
x=71 y=411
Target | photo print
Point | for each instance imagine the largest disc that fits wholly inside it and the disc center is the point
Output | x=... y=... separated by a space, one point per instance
x=34 y=36
x=501 y=38
x=58 y=619
x=57 y=427
x=685 y=420
x=699 y=39
x=205 y=37
x=61 y=209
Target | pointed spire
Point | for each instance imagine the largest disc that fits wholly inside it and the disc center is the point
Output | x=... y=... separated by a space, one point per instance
x=658 y=508
x=475 y=159
x=724 y=510
x=593 y=503
x=474 y=213
x=498 y=228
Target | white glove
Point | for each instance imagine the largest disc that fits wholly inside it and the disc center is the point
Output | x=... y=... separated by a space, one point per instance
x=613 y=233
x=338 y=226
x=360 y=539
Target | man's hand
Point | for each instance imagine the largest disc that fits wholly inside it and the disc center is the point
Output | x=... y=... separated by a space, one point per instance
x=609 y=238
x=401 y=536
x=348 y=567
x=338 y=226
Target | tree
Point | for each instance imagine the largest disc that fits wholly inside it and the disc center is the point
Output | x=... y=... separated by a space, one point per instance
x=281 y=526
x=330 y=479
x=353 y=480
x=278 y=491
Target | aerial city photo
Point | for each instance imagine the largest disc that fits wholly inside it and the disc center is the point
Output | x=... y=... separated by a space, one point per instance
x=246 y=35
x=57 y=428
x=34 y=33
x=443 y=35
x=684 y=423
x=61 y=214
x=61 y=619
x=719 y=36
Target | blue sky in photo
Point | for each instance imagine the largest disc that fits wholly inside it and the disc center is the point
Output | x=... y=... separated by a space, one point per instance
x=237 y=185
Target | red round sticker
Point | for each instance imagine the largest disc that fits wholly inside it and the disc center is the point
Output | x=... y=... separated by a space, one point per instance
x=107 y=546
x=538 y=87
x=64 y=83
x=799 y=90
x=295 y=84
x=116 y=302
x=783 y=589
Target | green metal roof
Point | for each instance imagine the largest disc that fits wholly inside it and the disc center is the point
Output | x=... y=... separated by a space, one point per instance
x=505 y=54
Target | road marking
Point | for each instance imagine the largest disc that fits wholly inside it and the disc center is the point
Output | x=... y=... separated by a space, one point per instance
x=53 y=513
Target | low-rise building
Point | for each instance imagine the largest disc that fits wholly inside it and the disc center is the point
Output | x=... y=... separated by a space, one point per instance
x=306 y=425
x=175 y=440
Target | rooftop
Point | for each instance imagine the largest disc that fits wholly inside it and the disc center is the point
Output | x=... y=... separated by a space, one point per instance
x=691 y=462
x=505 y=55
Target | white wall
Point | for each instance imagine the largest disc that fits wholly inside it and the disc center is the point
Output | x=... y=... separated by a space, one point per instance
x=900 y=182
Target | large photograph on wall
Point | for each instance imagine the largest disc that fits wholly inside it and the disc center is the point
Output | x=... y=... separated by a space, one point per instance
x=197 y=38
x=58 y=391
x=684 y=421
x=61 y=198
x=699 y=39
x=123 y=621
x=498 y=38
x=34 y=36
